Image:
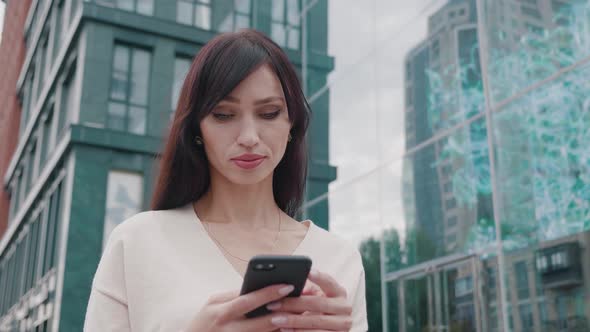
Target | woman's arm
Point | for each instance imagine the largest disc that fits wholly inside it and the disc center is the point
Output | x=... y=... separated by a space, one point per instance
x=359 y=306
x=107 y=307
x=105 y=312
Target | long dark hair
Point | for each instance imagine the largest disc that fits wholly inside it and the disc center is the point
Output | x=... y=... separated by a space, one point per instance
x=217 y=69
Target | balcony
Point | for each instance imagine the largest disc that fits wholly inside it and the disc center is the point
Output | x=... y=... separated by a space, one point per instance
x=559 y=266
x=570 y=324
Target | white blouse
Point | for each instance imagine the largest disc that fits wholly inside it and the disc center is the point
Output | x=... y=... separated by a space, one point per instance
x=160 y=267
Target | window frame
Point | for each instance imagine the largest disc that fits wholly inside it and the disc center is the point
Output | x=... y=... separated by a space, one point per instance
x=177 y=58
x=193 y=21
x=286 y=24
x=112 y=174
x=126 y=101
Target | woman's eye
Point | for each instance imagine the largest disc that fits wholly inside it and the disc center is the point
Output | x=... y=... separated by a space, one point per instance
x=221 y=116
x=271 y=115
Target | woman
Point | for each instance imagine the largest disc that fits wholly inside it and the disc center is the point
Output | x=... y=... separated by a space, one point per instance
x=231 y=179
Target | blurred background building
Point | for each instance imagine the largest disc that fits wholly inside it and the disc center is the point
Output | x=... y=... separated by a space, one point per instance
x=458 y=127
x=530 y=198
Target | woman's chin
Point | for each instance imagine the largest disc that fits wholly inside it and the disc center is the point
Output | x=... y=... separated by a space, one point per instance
x=247 y=178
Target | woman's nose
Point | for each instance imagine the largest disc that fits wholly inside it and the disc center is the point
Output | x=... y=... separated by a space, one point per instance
x=248 y=136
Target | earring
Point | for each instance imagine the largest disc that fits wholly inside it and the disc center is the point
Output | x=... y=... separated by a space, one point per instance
x=198 y=140
x=290 y=138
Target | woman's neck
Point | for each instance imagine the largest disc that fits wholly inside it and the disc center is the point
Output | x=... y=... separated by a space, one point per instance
x=247 y=206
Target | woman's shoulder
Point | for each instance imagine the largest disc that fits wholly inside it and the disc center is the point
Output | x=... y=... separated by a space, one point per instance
x=333 y=244
x=147 y=221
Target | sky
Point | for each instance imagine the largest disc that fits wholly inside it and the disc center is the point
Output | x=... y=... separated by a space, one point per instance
x=369 y=41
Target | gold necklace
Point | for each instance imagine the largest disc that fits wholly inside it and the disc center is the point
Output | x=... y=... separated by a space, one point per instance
x=227 y=251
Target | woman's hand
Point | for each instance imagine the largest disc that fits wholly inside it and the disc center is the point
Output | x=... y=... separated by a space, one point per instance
x=225 y=312
x=323 y=309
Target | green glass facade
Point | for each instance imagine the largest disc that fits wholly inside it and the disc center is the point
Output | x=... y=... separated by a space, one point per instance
x=459 y=130
x=98 y=88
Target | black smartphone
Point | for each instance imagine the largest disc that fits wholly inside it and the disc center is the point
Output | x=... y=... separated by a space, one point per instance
x=267 y=270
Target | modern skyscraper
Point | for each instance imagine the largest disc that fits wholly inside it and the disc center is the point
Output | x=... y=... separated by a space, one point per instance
x=453 y=271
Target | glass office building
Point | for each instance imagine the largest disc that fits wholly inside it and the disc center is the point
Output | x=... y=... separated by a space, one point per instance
x=459 y=129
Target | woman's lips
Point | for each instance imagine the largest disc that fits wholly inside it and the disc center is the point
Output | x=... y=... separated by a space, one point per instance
x=248 y=164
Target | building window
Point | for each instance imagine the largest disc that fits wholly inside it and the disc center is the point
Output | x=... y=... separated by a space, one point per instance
x=143 y=7
x=28 y=100
x=37 y=82
x=236 y=17
x=539 y=284
x=19 y=280
x=44 y=60
x=542 y=311
x=526 y=316
x=542 y=263
x=451 y=238
x=57 y=31
x=31 y=274
x=124 y=199
x=491 y=283
x=561 y=304
x=409 y=101
x=194 y=12
x=64 y=19
x=463 y=286
x=20 y=191
x=35 y=154
x=51 y=235
x=448 y=187
x=522 y=280
x=67 y=101
x=447 y=169
x=451 y=203
x=13 y=199
x=452 y=221
x=535 y=29
x=559 y=260
x=493 y=319
x=532 y=12
x=30 y=166
x=408 y=70
x=127 y=109
x=286 y=23
x=181 y=67
x=47 y=121
x=436 y=49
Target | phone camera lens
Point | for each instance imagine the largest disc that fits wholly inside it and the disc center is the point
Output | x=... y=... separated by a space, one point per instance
x=271 y=266
x=259 y=267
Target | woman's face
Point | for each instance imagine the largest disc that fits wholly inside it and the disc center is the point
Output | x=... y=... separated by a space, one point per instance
x=246 y=134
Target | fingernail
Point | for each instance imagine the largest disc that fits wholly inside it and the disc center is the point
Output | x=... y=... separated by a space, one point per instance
x=313 y=273
x=286 y=290
x=278 y=320
x=273 y=306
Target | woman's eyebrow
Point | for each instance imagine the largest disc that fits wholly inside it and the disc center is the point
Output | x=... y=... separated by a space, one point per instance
x=258 y=102
x=268 y=100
